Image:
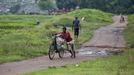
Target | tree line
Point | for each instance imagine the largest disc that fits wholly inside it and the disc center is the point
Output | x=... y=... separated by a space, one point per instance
x=113 y=6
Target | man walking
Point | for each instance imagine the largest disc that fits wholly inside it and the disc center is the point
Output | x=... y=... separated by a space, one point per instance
x=76 y=26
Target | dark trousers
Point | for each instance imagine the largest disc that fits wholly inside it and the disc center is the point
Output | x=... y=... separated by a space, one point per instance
x=76 y=31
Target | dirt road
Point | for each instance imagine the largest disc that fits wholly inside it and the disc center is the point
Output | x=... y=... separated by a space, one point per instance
x=103 y=40
x=109 y=36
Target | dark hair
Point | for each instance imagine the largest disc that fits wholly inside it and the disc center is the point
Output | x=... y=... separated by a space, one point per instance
x=64 y=28
x=76 y=17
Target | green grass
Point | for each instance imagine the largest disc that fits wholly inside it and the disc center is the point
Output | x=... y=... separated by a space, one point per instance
x=129 y=36
x=31 y=41
x=114 y=65
x=21 y=20
x=21 y=39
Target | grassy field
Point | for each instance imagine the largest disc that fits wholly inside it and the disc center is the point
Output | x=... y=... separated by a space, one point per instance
x=20 y=21
x=113 y=65
x=21 y=39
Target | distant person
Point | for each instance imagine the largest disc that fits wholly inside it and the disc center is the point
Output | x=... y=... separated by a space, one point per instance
x=76 y=27
x=122 y=19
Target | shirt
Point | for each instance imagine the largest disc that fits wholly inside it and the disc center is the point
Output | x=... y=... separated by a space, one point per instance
x=66 y=36
x=76 y=23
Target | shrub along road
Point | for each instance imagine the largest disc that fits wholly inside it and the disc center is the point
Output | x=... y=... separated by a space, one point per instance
x=107 y=38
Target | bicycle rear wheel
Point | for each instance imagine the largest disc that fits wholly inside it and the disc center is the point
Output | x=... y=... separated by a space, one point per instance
x=61 y=53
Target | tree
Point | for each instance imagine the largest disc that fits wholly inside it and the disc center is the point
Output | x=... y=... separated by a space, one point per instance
x=15 y=8
x=114 y=6
x=66 y=4
x=46 y=4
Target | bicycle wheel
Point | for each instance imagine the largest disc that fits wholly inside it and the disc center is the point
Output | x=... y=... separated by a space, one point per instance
x=51 y=52
x=61 y=53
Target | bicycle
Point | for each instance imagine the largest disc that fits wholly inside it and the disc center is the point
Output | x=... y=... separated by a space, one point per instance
x=58 y=46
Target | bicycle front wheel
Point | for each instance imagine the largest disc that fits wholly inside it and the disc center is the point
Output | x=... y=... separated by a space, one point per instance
x=51 y=52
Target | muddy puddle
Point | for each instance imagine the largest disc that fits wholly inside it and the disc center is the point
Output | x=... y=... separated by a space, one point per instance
x=93 y=51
